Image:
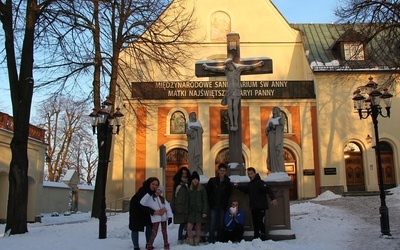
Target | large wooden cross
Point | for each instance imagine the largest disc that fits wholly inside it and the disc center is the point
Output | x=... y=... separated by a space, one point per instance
x=210 y=68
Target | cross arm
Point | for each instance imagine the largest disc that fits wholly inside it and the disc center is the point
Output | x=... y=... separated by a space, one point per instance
x=209 y=68
x=216 y=68
x=254 y=69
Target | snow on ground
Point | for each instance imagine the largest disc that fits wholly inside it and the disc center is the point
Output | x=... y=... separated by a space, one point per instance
x=329 y=222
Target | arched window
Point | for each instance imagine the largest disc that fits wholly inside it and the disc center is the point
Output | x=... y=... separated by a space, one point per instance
x=177 y=123
x=224 y=118
x=223 y=157
x=177 y=157
x=352 y=147
x=385 y=147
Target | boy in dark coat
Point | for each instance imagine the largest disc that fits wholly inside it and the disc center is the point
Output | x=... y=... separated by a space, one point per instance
x=218 y=192
x=139 y=215
x=257 y=190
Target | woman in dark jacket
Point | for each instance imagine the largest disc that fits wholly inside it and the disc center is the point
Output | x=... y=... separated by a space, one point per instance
x=139 y=215
x=197 y=209
x=179 y=200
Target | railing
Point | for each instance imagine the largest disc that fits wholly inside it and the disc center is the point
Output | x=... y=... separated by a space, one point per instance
x=7 y=123
x=117 y=206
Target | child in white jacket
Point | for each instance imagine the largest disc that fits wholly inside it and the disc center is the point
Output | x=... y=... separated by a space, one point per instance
x=158 y=202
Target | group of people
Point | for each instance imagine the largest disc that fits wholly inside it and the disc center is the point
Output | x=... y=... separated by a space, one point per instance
x=192 y=204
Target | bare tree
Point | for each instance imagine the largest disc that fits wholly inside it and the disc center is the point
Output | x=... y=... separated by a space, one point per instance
x=86 y=39
x=67 y=136
x=116 y=40
x=16 y=26
x=84 y=156
x=89 y=168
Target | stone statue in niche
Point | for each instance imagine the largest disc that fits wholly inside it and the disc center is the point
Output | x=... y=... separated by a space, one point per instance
x=274 y=131
x=194 y=132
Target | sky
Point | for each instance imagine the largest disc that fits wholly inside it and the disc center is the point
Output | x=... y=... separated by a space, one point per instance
x=329 y=222
x=307 y=11
x=295 y=11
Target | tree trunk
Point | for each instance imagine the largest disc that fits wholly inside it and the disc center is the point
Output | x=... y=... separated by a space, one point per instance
x=97 y=196
x=21 y=98
x=18 y=177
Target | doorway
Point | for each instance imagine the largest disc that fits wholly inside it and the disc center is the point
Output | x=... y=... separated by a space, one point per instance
x=290 y=168
x=354 y=167
x=389 y=180
x=223 y=157
x=176 y=158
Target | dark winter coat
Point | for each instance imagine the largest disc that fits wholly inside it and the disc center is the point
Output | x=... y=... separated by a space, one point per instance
x=257 y=190
x=179 y=202
x=197 y=205
x=218 y=192
x=139 y=215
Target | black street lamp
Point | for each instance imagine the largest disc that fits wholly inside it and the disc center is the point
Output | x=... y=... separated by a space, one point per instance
x=371 y=107
x=103 y=120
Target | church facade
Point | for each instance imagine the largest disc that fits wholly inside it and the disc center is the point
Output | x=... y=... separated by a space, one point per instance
x=326 y=145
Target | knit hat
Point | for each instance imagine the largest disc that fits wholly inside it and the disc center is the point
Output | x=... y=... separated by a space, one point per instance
x=195 y=175
x=161 y=188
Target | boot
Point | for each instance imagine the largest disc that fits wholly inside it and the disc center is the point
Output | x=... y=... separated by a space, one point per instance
x=263 y=237
x=166 y=246
x=196 y=241
x=149 y=247
x=190 y=241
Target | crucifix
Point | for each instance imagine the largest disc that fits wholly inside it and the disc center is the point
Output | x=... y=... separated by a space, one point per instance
x=233 y=67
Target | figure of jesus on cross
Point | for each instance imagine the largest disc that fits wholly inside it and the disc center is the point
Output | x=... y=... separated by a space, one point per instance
x=233 y=68
x=233 y=93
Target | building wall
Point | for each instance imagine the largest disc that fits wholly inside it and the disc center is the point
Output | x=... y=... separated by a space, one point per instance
x=136 y=149
x=36 y=154
x=56 y=198
x=319 y=127
x=339 y=123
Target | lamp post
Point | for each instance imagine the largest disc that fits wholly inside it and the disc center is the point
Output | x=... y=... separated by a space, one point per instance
x=103 y=120
x=371 y=107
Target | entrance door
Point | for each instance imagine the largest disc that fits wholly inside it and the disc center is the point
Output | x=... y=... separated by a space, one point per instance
x=387 y=165
x=354 y=167
x=355 y=173
x=290 y=168
x=176 y=158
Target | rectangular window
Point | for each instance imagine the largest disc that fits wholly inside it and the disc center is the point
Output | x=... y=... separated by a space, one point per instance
x=353 y=51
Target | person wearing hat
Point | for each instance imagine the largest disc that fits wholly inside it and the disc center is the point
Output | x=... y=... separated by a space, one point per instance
x=157 y=202
x=197 y=209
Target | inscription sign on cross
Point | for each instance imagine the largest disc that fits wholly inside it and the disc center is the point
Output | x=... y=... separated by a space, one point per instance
x=233 y=67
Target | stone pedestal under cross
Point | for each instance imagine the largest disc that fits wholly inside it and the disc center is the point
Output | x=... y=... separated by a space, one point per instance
x=233 y=68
